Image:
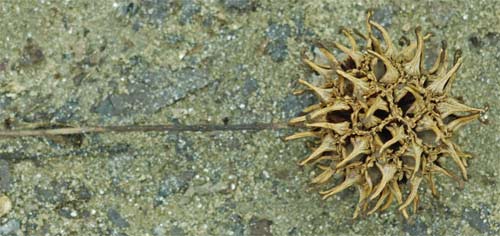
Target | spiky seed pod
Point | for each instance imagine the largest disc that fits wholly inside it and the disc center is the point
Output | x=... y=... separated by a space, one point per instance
x=384 y=123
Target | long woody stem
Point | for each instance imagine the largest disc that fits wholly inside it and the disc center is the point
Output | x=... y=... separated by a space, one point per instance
x=142 y=128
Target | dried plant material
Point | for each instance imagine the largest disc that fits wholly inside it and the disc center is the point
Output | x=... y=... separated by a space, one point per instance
x=385 y=123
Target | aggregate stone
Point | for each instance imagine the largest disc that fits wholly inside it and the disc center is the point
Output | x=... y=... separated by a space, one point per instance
x=188 y=9
x=5 y=177
x=117 y=219
x=237 y=227
x=172 y=184
x=152 y=90
x=11 y=227
x=67 y=112
x=383 y=15
x=250 y=86
x=177 y=231
x=277 y=47
x=260 y=226
x=241 y=5
x=159 y=230
x=184 y=147
x=292 y=104
x=157 y=11
x=415 y=228
x=476 y=220
x=32 y=54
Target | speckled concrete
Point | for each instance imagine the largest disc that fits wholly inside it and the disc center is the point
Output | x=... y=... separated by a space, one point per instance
x=88 y=62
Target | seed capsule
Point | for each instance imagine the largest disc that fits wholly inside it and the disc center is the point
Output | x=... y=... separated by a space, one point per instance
x=383 y=122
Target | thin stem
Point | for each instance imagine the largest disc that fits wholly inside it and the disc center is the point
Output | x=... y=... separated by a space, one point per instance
x=142 y=128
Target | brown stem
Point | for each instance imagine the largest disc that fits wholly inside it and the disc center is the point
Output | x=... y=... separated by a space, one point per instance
x=142 y=128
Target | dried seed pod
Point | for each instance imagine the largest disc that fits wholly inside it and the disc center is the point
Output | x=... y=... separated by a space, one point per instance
x=384 y=123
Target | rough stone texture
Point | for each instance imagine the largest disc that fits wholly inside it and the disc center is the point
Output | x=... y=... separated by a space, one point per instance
x=11 y=227
x=241 y=5
x=415 y=228
x=478 y=218
x=151 y=91
x=177 y=231
x=115 y=218
x=202 y=72
x=277 y=47
x=383 y=15
x=260 y=227
x=188 y=10
x=293 y=105
x=5 y=177
x=173 y=184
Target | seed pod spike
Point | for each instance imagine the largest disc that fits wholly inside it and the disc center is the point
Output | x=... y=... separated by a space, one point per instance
x=339 y=128
x=389 y=201
x=369 y=14
x=430 y=180
x=438 y=86
x=380 y=201
x=427 y=123
x=360 y=85
x=456 y=58
x=328 y=144
x=414 y=182
x=456 y=158
x=312 y=108
x=355 y=56
x=419 y=105
x=398 y=133
x=361 y=146
x=318 y=112
x=334 y=106
x=443 y=65
x=326 y=73
x=324 y=94
x=352 y=41
x=348 y=182
x=451 y=106
x=414 y=67
x=442 y=170
x=364 y=192
x=375 y=44
x=389 y=51
x=323 y=177
x=455 y=124
x=415 y=151
x=304 y=134
x=369 y=119
x=415 y=204
x=399 y=197
x=440 y=59
x=388 y=171
x=407 y=53
x=331 y=58
x=391 y=74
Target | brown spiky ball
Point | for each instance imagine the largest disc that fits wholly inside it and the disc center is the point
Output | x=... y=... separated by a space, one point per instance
x=383 y=123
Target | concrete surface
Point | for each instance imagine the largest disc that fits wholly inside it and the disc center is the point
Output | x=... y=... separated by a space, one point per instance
x=89 y=62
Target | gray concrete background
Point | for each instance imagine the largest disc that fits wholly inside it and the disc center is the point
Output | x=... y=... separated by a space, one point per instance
x=221 y=61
